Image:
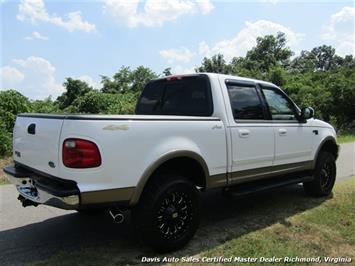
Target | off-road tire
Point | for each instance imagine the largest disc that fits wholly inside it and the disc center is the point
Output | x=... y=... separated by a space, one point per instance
x=323 y=177
x=167 y=215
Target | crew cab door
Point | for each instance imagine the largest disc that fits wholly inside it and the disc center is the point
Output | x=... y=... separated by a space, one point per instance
x=293 y=139
x=252 y=136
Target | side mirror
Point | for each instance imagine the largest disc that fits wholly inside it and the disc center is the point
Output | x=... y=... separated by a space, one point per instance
x=307 y=113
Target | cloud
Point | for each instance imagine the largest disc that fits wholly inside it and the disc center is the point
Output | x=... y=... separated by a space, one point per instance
x=155 y=12
x=10 y=75
x=346 y=45
x=246 y=39
x=35 y=11
x=90 y=81
x=205 y=6
x=345 y=15
x=340 y=30
x=33 y=77
x=181 y=54
x=36 y=35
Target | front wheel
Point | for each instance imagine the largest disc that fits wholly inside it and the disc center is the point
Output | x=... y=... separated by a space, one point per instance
x=324 y=176
x=167 y=215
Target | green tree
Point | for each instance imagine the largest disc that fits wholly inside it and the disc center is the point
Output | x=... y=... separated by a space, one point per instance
x=167 y=72
x=120 y=83
x=12 y=103
x=325 y=58
x=140 y=77
x=269 y=51
x=321 y=58
x=44 y=106
x=126 y=80
x=5 y=140
x=96 y=102
x=305 y=62
x=341 y=85
x=277 y=75
x=215 y=64
x=74 y=89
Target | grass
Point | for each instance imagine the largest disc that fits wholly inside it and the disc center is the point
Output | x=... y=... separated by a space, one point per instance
x=346 y=138
x=328 y=230
x=282 y=224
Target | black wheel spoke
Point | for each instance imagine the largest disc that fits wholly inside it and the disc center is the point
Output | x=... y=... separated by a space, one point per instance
x=174 y=215
x=326 y=175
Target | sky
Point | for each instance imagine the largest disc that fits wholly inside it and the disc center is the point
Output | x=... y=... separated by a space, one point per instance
x=44 y=42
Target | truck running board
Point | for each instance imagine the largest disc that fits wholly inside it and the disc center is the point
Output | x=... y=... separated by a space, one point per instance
x=245 y=189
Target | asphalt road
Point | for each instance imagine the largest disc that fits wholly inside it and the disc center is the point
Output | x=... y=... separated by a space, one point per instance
x=34 y=233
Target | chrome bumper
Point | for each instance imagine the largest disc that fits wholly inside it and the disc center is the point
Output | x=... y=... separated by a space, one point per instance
x=27 y=188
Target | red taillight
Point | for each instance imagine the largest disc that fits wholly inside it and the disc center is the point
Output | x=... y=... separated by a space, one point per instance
x=80 y=153
x=171 y=78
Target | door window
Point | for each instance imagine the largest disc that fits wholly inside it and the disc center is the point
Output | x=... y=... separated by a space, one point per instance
x=280 y=107
x=245 y=102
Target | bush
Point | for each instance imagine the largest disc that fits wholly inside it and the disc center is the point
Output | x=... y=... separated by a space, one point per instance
x=5 y=141
x=44 y=106
x=11 y=104
x=104 y=103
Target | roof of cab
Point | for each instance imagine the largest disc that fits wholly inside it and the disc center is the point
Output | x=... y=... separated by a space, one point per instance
x=217 y=75
x=238 y=78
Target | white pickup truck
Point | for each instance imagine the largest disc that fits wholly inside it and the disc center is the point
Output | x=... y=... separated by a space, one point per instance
x=191 y=133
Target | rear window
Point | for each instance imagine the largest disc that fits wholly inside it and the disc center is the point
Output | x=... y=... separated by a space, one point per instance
x=189 y=96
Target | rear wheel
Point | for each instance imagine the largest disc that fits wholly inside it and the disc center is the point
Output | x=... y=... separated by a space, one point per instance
x=167 y=216
x=324 y=176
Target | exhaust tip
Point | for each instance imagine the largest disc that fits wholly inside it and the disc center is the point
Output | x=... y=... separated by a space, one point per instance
x=117 y=216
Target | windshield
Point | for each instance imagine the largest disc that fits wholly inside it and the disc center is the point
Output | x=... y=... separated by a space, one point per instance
x=189 y=95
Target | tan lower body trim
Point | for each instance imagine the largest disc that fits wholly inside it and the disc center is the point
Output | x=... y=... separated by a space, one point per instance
x=270 y=171
x=214 y=181
x=237 y=177
x=107 y=196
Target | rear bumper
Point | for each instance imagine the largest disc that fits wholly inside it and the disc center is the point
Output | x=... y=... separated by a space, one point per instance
x=46 y=190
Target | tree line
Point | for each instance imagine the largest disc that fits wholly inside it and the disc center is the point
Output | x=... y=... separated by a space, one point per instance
x=319 y=78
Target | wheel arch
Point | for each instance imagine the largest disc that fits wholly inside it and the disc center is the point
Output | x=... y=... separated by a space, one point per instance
x=328 y=144
x=172 y=160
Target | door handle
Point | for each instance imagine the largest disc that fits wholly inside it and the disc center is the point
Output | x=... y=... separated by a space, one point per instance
x=31 y=129
x=282 y=132
x=244 y=133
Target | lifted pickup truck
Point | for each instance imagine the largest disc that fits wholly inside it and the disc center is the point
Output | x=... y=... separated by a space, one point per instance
x=190 y=133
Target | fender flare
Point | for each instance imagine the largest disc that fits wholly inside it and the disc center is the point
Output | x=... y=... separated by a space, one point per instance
x=157 y=163
x=320 y=146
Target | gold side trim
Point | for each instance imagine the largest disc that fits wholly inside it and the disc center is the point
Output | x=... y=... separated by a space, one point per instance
x=106 y=196
x=270 y=171
x=215 y=181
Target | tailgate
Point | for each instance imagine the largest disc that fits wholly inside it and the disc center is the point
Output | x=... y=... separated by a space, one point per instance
x=36 y=142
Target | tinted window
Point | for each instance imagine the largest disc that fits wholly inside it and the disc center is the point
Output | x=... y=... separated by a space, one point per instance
x=185 y=96
x=279 y=106
x=245 y=102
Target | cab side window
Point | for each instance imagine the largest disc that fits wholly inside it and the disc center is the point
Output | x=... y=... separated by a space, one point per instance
x=279 y=105
x=245 y=102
